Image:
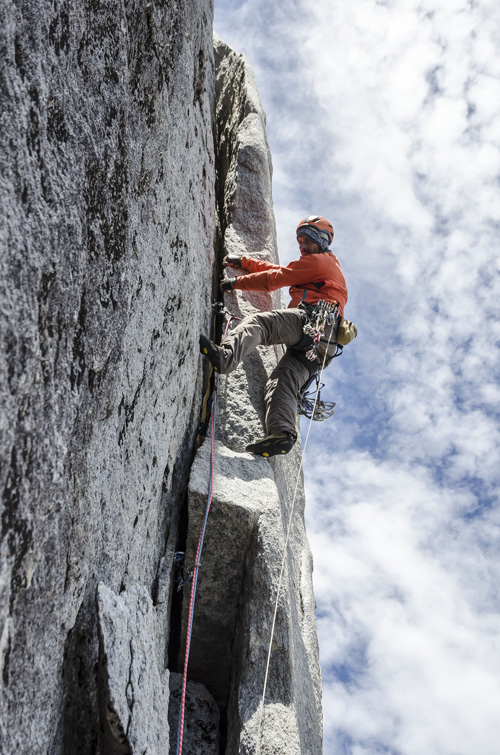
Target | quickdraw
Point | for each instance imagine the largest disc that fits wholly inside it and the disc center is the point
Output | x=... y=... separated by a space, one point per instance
x=310 y=404
x=324 y=313
x=180 y=579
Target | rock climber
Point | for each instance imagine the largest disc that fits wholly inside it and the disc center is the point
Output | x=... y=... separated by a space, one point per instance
x=315 y=276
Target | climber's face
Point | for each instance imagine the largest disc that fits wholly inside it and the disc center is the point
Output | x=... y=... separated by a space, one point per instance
x=307 y=245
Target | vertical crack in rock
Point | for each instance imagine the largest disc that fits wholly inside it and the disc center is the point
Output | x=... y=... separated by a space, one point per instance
x=245 y=534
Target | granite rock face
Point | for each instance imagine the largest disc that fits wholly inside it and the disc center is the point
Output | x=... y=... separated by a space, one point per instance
x=126 y=170
x=107 y=234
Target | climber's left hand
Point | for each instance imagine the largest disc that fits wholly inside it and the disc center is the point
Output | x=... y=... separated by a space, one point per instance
x=227 y=284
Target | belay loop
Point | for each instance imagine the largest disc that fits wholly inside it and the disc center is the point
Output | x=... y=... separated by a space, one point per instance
x=324 y=313
x=307 y=398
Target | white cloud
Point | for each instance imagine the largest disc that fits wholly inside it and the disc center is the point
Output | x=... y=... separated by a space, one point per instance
x=386 y=118
x=409 y=624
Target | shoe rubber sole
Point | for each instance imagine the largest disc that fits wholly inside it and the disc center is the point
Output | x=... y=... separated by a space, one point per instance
x=210 y=350
x=272 y=446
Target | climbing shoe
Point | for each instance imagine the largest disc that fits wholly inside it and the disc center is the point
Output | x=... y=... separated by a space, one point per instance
x=272 y=445
x=211 y=351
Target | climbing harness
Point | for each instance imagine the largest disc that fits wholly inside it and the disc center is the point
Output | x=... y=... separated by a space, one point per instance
x=278 y=590
x=324 y=313
x=309 y=402
x=194 y=575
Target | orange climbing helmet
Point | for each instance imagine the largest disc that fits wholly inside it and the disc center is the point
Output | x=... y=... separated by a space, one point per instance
x=318 y=228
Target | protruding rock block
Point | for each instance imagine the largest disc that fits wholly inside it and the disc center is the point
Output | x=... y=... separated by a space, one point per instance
x=133 y=689
x=201 y=730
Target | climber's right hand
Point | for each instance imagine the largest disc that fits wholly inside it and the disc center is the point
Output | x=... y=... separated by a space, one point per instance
x=232 y=260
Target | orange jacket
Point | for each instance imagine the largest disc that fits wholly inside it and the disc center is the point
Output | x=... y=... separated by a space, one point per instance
x=311 y=278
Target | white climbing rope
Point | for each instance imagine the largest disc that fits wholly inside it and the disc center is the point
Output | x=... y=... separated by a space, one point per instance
x=289 y=528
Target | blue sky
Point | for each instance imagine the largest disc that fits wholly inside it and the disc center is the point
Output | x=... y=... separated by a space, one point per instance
x=385 y=118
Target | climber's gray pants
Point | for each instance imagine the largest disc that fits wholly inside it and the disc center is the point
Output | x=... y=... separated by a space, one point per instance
x=267 y=329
